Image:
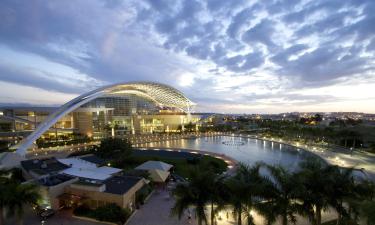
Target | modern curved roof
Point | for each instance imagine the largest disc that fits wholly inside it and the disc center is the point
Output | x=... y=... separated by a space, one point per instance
x=161 y=94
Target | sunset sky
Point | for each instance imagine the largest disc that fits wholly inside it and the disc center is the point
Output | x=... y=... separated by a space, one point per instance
x=227 y=56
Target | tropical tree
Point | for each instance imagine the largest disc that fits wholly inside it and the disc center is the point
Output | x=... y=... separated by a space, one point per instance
x=246 y=190
x=218 y=194
x=22 y=195
x=114 y=147
x=283 y=202
x=341 y=191
x=14 y=195
x=368 y=212
x=5 y=193
x=363 y=204
x=315 y=189
x=195 y=193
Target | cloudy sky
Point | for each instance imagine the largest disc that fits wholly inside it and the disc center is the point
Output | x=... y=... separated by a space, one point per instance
x=227 y=56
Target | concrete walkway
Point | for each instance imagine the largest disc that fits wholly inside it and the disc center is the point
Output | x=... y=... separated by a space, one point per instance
x=156 y=211
x=359 y=160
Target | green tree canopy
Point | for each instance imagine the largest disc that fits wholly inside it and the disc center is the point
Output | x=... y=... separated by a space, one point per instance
x=113 y=147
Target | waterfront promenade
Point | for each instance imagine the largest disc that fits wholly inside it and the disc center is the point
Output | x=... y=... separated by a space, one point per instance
x=360 y=160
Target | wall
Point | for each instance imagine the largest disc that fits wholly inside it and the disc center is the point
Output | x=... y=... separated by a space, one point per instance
x=83 y=122
x=96 y=198
x=50 y=193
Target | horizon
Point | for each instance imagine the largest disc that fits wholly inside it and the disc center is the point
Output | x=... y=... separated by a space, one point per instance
x=27 y=105
x=242 y=57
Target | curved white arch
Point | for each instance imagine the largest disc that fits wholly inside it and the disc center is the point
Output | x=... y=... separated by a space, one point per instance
x=160 y=93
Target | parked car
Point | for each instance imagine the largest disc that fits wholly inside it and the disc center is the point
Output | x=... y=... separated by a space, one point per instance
x=46 y=213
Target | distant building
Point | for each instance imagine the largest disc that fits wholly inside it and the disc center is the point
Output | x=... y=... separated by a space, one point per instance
x=116 y=110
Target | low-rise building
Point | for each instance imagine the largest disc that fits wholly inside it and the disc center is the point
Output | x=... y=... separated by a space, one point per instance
x=81 y=180
x=120 y=190
x=158 y=171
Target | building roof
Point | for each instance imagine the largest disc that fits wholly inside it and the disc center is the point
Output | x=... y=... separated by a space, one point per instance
x=97 y=173
x=158 y=175
x=86 y=173
x=77 y=163
x=93 y=159
x=54 y=180
x=107 y=170
x=120 y=184
x=43 y=166
x=154 y=165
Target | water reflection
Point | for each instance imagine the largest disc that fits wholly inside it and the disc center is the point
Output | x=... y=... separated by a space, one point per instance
x=245 y=150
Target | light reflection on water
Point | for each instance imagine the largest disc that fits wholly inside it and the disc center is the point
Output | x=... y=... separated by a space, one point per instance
x=245 y=150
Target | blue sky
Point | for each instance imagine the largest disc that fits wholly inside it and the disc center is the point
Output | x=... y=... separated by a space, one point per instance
x=227 y=56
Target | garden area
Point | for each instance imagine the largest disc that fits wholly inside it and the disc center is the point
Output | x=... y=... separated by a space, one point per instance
x=120 y=154
x=183 y=163
x=108 y=213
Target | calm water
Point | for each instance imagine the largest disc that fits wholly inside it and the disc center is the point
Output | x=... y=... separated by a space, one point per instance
x=245 y=150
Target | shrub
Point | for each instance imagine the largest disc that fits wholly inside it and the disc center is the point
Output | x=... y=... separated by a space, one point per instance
x=109 y=213
x=142 y=194
x=193 y=160
x=112 y=147
x=112 y=213
x=82 y=210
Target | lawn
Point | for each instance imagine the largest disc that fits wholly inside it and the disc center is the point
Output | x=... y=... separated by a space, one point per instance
x=184 y=163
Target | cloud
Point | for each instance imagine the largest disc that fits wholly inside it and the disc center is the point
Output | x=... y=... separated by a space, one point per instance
x=261 y=33
x=244 y=48
x=241 y=20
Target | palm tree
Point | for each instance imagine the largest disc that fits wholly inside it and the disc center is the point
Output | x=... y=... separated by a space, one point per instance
x=246 y=189
x=194 y=193
x=238 y=191
x=363 y=204
x=283 y=202
x=22 y=194
x=4 y=197
x=5 y=192
x=315 y=189
x=368 y=212
x=342 y=190
x=218 y=194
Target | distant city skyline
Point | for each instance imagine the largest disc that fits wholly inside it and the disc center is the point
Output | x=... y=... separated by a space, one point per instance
x=227 y=56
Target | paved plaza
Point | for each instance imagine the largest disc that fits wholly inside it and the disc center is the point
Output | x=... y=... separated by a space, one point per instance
x=156 y=211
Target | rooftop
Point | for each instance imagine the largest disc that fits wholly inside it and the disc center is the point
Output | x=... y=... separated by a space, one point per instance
x=120 y=184
x=77 y=163
x=54 y=180
x=93 y=159
x=96 y=173
x=87 y=182
x=154 y=165
x=43 y=166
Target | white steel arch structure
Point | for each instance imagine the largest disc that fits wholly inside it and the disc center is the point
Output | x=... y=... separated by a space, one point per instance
x=161 y=94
